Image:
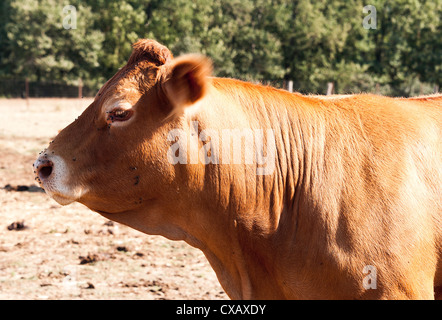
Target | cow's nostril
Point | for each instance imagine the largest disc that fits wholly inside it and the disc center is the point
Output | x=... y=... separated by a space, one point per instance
x=45 y=170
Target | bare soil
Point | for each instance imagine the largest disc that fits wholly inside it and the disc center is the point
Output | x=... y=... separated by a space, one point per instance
x=48 y=251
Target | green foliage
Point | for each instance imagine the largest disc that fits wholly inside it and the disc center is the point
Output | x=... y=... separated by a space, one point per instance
x=407 y=43
x=231 y=32
x=309 y=41
x=41 y=49
x=5 y=8
x=121 y=23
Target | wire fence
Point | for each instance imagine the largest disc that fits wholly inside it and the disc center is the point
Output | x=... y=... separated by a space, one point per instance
x=22 y=87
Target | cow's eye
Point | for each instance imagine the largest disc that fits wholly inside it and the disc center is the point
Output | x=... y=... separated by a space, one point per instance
x=119 y=115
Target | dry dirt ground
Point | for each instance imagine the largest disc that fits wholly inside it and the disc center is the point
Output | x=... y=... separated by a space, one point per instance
x=52 y=252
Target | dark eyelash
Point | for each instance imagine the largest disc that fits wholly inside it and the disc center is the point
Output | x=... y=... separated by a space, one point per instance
x=119 y=115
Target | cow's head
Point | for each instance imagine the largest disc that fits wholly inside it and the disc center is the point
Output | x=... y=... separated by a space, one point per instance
x=113 y=157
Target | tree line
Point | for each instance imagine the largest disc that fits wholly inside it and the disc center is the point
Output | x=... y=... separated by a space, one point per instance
x=310 y=42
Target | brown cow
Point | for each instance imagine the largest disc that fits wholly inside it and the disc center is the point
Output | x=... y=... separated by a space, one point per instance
x=347 y=204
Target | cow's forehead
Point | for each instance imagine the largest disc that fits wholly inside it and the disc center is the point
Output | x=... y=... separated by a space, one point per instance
x=112 y=95
x=123 y=98
x=126 y=86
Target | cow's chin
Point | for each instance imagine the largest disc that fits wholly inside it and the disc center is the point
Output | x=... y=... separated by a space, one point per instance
x=62 y=199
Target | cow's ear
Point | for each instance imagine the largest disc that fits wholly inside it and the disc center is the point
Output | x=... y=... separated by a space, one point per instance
x=187 y=80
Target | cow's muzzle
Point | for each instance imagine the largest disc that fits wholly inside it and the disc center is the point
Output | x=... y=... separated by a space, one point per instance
x=53 y=175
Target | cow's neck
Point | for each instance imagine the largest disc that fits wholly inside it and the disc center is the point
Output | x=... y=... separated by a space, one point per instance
x=240 y=213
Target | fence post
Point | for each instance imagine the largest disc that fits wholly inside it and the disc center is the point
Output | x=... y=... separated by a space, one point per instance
x=330 y=88
x=80 y=88
x=27 y=91
x=290 y=86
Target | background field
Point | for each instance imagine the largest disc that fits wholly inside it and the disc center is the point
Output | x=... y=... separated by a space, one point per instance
x=71 y=252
